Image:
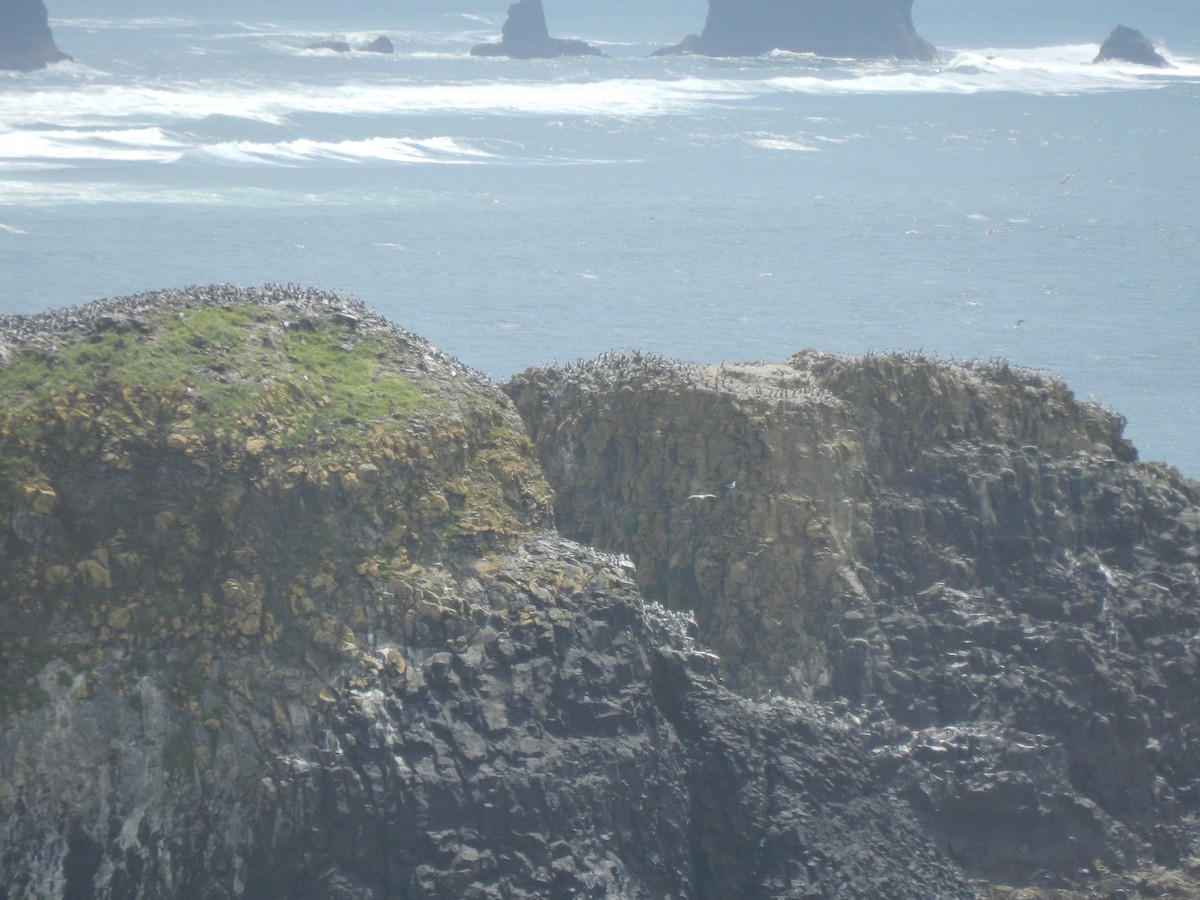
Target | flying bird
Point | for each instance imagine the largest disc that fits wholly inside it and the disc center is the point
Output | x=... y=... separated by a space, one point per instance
x=1069 y=176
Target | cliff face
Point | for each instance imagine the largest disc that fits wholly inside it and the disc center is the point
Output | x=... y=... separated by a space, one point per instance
x=964 y=554
x=862 y=29
x=280 y=617
x=25 y=40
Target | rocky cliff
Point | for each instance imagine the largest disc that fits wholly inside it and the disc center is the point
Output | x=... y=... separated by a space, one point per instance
x=281 y=616
x=25 y=39
x=862 y=29
x=963 y=556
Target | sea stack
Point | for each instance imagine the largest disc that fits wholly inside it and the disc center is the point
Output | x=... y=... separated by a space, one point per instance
x=862 y=29
x=525 y=36
x=1130 y=45
x=26 y=43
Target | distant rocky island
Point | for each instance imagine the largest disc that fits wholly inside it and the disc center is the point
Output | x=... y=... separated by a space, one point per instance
x=1131 y=45
x=526 y=36
x=861 y=29
x=26 y=43
x=294 y=605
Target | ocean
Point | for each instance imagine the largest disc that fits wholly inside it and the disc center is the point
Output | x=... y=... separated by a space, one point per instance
x=1009 y=200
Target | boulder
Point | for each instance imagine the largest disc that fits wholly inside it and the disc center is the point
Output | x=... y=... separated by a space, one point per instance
x=25 y=39
x=525 y=36
x=862 y=29
x=1131 y=45
x=381 y=44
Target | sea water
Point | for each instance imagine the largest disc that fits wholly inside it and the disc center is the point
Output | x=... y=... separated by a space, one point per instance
x=1009 y=200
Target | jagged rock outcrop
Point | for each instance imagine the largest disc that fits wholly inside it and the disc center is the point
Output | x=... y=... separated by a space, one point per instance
x=961 y=555
x=280 y=617
x=26 y=43
x=1131 y=45
x=862 y=29
x=525 y=36
x=381 y=44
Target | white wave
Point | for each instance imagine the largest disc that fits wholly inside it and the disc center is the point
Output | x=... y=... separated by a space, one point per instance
x=123 y=145
x=1051 y=70
x=131 y=24
x=399 y=150
x=1058 y=69
x=778 y=142
x=95 y=105
x=40 y=194
x=12 y=229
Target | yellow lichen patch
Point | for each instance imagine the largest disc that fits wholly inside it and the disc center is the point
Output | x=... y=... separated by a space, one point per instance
x=57 y=575
x=245 y=600
x=395 y=662
x=41 y=499
x=94 y=573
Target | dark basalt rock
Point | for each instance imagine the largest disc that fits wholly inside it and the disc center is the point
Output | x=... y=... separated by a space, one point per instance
x=525 y=36
x=862 y=29
x=320 y=645
x=964 y=554
x=282 y=615
x=1131 y=45
x=26 y=43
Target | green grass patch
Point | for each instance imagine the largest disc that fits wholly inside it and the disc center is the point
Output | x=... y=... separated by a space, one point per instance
x=205 y=370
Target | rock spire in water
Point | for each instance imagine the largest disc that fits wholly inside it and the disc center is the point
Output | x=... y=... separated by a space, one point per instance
x=25 y=39
x=525 y=36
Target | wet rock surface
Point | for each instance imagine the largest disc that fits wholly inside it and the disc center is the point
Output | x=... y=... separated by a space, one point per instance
x=861 y=29
x=26 y=43
x=961 y=555
x=525 y=36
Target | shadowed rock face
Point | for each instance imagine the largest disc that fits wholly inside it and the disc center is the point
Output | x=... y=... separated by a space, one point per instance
x=862 y=29
x=1131 y=45
x=964 y=554
x=25 y=39
x=525 y=36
